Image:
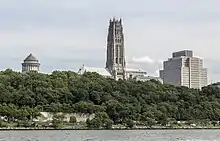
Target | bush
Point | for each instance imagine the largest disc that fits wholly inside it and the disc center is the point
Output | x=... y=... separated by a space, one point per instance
x=73 y=119
x=129 y=123
x=3 y=124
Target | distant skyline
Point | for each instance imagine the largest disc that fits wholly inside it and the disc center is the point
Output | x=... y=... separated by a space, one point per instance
x=66 y=34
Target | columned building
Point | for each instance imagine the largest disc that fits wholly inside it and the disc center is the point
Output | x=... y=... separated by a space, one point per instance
x=30 y=64
x=183 y=69
x=115 y=61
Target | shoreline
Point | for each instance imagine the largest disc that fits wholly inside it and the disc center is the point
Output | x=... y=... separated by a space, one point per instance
x=165 y=128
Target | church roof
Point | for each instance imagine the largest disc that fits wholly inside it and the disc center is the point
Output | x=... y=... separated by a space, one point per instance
x=30 y=58
x=100 y=71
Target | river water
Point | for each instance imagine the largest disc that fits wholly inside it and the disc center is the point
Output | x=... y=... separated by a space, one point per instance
x=111 y=135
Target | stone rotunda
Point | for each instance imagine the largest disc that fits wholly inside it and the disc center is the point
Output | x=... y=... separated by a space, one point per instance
x=30 y=64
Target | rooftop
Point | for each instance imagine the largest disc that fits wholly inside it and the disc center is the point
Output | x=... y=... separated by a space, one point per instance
x=100 y=71
x=30 y=58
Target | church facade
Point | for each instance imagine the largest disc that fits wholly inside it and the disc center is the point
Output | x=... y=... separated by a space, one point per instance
x=115 y=57
x=115 y=61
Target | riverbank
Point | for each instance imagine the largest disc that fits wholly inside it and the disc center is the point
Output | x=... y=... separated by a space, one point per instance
x=146 y=128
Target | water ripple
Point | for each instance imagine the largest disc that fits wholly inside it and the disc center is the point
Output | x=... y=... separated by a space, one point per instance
x=112 y=135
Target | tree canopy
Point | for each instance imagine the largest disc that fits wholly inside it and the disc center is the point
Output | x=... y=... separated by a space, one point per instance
x=114 y=101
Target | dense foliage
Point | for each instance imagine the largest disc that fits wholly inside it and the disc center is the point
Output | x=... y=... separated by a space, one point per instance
x=114 y=101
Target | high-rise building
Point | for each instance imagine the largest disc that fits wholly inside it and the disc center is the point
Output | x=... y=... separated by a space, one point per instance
x=30 y=64
x=115 y=62
x=183 y=69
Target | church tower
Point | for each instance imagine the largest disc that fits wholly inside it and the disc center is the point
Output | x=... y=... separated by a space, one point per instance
x=115 y=62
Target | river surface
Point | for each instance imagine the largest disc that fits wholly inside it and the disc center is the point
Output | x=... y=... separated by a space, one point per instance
x=111 y=135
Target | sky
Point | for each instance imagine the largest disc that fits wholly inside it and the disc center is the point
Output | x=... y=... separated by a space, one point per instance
x=64 y=34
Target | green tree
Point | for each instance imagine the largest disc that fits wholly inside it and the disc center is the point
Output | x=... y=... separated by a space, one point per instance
x=24 y=95
x=150 y=122
x=130 y=123
x=94 y=123
x=58 y=120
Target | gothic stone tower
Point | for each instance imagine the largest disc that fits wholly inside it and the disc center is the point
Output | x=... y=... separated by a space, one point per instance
x=115 y=62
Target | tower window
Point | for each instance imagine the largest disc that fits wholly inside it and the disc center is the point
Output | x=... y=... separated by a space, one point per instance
x=117 y=50
x=119 y=73
x=120 y=60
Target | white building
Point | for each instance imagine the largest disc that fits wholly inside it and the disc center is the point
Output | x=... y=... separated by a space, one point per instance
x=184 y=70
x=129 y=73
x=148 y=78
x=137 y=74
x=30 y=64
x=133 y=73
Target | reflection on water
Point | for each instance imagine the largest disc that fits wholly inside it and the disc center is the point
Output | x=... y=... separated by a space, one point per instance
x=111 y=135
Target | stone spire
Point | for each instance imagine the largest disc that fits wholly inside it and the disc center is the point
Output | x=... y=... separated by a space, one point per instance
x=115 y=62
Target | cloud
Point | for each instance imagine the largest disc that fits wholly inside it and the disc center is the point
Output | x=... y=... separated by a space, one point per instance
x=146 y=63
x=68 y=33
x=145 y=59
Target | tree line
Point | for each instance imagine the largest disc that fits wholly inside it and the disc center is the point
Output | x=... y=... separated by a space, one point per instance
x=24 y=95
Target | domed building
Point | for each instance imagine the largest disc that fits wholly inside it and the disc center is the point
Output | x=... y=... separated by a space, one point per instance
x=30 y=64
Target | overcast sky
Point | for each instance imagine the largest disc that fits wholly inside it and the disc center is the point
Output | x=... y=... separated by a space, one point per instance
x=64 y=34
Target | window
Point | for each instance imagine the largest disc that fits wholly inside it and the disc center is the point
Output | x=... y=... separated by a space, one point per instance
x=119 y=73
x=120 y=60
x=116 y=50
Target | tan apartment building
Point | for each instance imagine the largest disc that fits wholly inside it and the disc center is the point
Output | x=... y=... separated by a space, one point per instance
x=183 y=69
